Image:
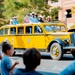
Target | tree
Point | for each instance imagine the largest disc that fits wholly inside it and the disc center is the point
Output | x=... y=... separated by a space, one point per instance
x=9 y=8
x=1 y=11
x=54 y=0
x=54 y=13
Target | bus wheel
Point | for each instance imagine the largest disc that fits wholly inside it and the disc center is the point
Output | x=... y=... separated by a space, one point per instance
x=73 y=53
x=56 y=52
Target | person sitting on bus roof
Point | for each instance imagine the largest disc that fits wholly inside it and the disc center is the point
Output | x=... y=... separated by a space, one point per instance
x=41 y=19
x=33 y=18
x=31 y=59
x=27 y=19
x=15 y=21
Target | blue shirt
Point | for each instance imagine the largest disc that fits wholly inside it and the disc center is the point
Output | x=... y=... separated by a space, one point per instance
x=33 y=20
x=5 y=65
x=70 y=70
x=15 y=22
x=26 y=72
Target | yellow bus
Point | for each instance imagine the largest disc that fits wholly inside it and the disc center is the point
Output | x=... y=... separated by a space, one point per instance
x=49 y=37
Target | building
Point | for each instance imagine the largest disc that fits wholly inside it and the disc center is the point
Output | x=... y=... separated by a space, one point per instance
x=66 y=6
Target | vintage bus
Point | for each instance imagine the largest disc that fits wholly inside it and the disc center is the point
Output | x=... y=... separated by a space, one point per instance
x=46 y=37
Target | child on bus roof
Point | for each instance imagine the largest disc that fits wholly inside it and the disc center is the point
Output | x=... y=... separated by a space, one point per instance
x=6 y=65
x=31 y=59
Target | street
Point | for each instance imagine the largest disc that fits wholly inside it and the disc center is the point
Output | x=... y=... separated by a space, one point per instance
x=47 y=66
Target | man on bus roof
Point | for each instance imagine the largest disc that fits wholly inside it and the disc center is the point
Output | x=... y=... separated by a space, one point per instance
x=15 y=21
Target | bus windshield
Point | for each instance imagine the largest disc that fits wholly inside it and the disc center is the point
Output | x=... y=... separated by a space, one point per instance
x=54 y=28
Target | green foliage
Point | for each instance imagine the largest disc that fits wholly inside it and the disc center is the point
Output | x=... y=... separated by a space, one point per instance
x=54 y=0
x=54 y=13
x=1 y=11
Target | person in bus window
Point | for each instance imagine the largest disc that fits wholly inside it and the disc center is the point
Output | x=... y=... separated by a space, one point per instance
x=21 y=31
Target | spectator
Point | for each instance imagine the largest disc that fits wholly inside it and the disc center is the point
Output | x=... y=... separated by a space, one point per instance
x=15 y=21
x=31 y=59
x=0 y=61
x=6 y=65
x=70 y=70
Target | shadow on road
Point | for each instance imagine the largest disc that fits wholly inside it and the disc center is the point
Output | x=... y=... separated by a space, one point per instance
x=66 y=57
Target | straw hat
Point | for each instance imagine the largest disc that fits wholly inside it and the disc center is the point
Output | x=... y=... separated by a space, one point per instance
x=14 y=17
x=41 y=16
x=48 y=16
x=33 y=13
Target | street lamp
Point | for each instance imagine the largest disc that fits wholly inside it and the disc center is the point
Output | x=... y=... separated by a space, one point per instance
x=65 y=13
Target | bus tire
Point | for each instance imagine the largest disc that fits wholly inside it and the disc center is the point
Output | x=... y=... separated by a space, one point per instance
x=56 y=51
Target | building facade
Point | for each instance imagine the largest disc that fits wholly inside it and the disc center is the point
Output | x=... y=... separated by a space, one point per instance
x=66 y=6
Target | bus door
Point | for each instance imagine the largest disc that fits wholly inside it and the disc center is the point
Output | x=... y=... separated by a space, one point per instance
x=39 y=38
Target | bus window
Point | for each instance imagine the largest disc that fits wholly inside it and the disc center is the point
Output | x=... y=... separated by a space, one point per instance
x=28 y=29
x=13 y=30
x=20 y=30
x=6 y=30
x=1 y=31
x=38 y=29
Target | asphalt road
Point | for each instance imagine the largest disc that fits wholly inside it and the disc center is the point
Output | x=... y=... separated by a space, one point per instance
x=48 y=66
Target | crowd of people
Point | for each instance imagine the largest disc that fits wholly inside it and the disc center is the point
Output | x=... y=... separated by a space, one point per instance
x=31 y=18
x=31 y=59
